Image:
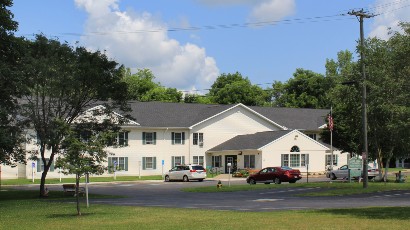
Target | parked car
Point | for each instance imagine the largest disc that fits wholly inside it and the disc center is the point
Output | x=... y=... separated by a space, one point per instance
x=343 y=172
x=275 y=175
x=186 y=173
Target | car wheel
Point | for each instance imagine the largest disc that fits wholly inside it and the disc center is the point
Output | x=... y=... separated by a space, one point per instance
x=252 y=181
x=277 y=180
x=292 y=181
x=200 y=180
x=185 y=179
x=333 y=176
x=166 y=178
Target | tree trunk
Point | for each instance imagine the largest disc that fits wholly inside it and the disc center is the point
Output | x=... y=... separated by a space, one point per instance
x=387 y=168
x=380 y=163
x=77 y=183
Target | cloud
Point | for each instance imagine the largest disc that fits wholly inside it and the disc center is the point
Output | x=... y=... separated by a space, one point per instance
x=140 y=40
x=260 y=10
x=272 y=10
x=389 y=16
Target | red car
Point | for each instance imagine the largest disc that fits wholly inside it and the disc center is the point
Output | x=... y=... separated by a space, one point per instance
x=275 y=175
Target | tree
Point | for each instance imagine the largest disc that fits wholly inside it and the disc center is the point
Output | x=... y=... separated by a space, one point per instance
x=83 y=148
x=10 y=85
x=195 y=98
x=233 y=88
x=62 y=83
x=141 y=87
x=305 y=90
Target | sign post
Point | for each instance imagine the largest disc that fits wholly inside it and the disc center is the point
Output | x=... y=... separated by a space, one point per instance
x=229 y=174
x=87 y=180
x=115 y=170
x=139 y=169
x=163 y=169
x=33 y=165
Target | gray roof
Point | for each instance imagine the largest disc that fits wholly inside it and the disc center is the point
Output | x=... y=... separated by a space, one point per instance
x=250 y=141
x=167 y=114
x=294 y=118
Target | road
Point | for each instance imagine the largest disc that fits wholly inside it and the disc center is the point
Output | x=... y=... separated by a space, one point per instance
x=169 y=194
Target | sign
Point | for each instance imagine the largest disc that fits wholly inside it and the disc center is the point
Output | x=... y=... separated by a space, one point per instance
x=355 y=167
x=33 y=165
x=115 y=163
x=364 y=155
x=163 y=162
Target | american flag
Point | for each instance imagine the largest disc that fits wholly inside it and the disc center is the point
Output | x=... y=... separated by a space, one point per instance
x=330 y=120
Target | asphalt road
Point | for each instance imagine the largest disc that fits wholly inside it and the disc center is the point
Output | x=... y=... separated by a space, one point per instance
x=169 y=194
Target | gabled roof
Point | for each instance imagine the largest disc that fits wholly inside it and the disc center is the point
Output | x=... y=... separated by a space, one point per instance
x=250 y=141
x=294 y=118
x=185 y=115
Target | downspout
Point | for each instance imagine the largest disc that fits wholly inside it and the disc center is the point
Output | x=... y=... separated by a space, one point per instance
x=166 y=130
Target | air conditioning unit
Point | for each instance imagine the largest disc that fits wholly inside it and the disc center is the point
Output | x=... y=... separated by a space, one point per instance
x=201 y=143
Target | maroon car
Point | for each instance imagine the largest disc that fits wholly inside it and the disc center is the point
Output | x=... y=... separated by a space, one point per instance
x=275 y=175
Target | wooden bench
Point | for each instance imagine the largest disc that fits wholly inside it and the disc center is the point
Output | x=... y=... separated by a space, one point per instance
x=70 y=189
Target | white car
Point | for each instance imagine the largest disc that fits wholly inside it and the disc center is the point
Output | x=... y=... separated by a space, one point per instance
x=186 y=173
x=343 y=172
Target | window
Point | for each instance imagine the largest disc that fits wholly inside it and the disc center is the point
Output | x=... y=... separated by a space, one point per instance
x=149 y=138
x=295 y=160
x=249 y=161
x=40 y=165
x=178 y=138
x=149 y=163
x=123 y=138
x=198 y=139
x=177 y=160
x=120 y=163
x=328 y=159
x=285 y=159
x=295 y=149
x=216 y=161
x=312 y=135
x=198 y=160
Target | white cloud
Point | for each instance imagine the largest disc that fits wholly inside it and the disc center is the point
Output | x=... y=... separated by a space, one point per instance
x=272 y=10
x=128 y=37
x=390 y=14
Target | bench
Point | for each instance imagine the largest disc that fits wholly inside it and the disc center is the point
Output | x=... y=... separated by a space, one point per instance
x=70 y=189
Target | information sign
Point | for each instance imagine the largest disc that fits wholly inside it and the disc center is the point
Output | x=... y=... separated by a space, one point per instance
x=355 y=166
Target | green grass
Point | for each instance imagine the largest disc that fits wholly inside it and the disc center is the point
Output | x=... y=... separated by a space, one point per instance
x=82 y=180
x=32 y=213
x=335 y=188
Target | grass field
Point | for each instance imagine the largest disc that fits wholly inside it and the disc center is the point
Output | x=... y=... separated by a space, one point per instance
x=22 y=210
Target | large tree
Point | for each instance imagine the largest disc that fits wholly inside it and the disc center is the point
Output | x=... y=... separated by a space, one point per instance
x=64 y=81
x=306 y=89
x=233 y=88
x=10 y=85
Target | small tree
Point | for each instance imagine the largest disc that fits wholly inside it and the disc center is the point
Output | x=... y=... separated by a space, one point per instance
x=83 y=150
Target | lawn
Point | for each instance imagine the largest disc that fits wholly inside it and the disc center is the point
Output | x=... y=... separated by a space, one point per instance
x=22 y=210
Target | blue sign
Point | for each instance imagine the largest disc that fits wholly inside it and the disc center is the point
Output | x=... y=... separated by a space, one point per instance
x=33 y=165
x=115 y=163
x=163 y=162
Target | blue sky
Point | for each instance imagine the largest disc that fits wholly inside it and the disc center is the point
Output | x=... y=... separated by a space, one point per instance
x=189 y=43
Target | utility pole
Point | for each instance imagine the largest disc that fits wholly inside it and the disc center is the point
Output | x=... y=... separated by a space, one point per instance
x=361 y=15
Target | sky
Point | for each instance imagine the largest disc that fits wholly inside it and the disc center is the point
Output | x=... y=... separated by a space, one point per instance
x=187 y=44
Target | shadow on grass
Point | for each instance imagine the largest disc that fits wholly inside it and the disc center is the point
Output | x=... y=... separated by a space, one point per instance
x=397 y=213
x=69 y=215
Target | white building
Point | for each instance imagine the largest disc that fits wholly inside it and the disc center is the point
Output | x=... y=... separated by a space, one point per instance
x=162 y=135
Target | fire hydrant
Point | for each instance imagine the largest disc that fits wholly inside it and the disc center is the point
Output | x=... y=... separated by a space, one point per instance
x=219 y=185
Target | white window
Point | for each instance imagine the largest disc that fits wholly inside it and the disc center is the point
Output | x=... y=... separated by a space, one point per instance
x=198 y=139
x=198 y=160
x=328 y=159
x=217 y=161
x=117 y=164
x=249 y=161
x=177 y=160
x=149 y=163
x=295 y=160
x=40 y=165
x=178 y=138
x=149 y=138
x=123 y=138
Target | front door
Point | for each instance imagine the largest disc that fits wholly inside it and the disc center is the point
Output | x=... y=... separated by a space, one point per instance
x=231 y=159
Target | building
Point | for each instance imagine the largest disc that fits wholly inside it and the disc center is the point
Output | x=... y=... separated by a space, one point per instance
x=161 y=135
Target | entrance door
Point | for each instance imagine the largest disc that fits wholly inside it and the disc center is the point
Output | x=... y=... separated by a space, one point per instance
x=231 y=159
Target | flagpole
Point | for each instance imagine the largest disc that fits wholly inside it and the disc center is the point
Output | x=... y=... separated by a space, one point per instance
x=331 y=141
